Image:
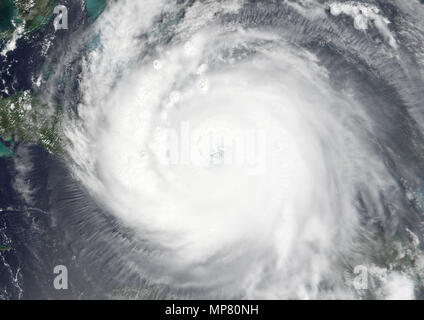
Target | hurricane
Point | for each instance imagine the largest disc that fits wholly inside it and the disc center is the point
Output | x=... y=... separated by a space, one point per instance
x=241 y=149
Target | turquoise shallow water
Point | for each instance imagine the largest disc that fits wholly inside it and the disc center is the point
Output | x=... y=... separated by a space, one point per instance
x=5 y=151
x=7 y=12
x=94 y=7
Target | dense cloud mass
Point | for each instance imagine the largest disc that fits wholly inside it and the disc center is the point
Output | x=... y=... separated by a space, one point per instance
x=256 y=148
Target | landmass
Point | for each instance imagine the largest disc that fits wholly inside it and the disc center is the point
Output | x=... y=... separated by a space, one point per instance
x=25 y=118
x=31 y=13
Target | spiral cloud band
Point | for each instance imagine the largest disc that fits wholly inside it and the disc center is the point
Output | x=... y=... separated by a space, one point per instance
x=249 y=161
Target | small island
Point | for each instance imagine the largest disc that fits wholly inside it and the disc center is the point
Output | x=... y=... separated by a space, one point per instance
x=4 y=248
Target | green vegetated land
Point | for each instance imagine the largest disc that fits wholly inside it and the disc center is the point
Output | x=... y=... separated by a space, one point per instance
x=25 y=118
x=33 y=13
